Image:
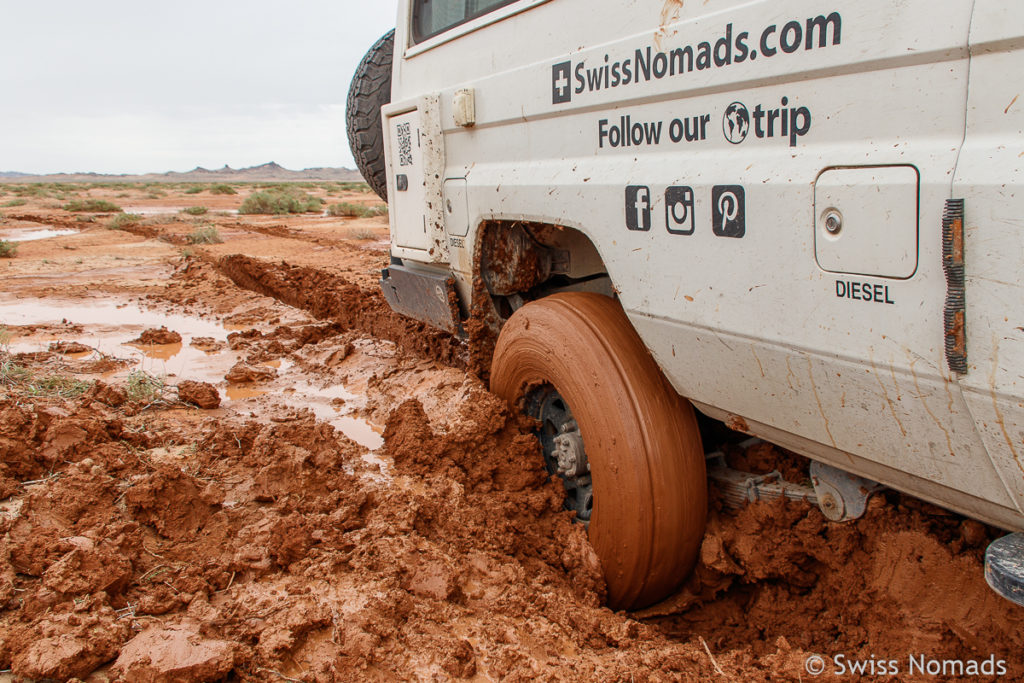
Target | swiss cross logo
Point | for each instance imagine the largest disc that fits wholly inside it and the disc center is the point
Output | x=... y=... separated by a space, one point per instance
x=561 y=89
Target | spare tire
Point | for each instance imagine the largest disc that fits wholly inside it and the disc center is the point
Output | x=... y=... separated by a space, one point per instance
x=371 y=90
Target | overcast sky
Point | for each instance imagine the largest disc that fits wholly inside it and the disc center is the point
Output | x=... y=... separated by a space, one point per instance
x=130 y=86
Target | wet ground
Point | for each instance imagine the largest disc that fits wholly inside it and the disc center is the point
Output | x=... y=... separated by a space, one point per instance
x=354 y=505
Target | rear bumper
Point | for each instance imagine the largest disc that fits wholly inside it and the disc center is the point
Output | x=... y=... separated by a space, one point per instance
x=424 y=295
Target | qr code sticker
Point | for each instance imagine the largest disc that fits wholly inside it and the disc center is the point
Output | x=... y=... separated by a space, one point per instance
x=404 y=145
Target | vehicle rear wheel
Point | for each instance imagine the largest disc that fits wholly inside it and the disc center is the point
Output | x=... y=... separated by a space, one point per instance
x=370 y=90
x=624 y=442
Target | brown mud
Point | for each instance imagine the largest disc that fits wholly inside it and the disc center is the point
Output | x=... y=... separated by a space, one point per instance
x=368 y=510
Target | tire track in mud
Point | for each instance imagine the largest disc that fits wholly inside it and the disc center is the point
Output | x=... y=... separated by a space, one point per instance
x=331 y=297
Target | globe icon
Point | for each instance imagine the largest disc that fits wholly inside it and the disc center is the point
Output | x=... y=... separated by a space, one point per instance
x=736 y=123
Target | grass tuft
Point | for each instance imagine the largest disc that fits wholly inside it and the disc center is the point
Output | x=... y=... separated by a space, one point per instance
x=8 y=249
x=280 y=200
x=14 y=202
x=20 y=380
x=195 y=189
x=93 y=205
x=361 y=234
x=350 y=210
x=144 y=387
x=12 y=374
x=124 y=220
x=205 y=235
x=222 y=188
x=195 y=210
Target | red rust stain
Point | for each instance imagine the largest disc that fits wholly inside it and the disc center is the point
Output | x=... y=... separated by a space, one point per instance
x=737 y=424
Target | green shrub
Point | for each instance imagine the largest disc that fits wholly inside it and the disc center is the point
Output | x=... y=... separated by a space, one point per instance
x=346 y=210
x=31 y=191
x=93 y=205
x=195 y=210
x=350 y=210
x=195 y=189
x=124 y=220
x=280 y=201
x=222 y=188
x=8 y=249
x=205 y=235
x=15 y=202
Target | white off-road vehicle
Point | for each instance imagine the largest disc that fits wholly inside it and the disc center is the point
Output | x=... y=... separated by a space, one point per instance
x=806 y=218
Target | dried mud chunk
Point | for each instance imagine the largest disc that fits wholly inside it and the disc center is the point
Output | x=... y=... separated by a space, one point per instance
x=60 y=657
x=242 y=373
x=764 y=458
x=64 y=437
x=106 y=394
x=8 y=487
x=160 y=599
x=6 y=575
x=202 y=394
x=460 y=660
x=87 y=570
x=431 y=579
x=974 y=533
x=339 y=354
x=286 y=629
x=289 y=540
x=158 y=336
x=207 y=344
x=408 y=437
x=170 y=501
x=173 y=655
x=66 y=347
x=68 y=644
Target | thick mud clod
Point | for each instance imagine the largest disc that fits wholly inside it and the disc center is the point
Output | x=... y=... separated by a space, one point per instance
x=200 y=394
x=327 y=296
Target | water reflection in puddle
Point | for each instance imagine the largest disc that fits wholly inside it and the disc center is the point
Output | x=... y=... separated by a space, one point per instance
x=111 y=329
x=240 y=392
x=159 y=351
x=33 y=234
x=164 y=210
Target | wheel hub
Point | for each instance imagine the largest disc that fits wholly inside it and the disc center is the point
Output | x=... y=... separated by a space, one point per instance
x=572 y=461
x=562 y=445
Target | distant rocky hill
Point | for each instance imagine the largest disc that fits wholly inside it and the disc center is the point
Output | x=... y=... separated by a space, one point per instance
x=270 y=172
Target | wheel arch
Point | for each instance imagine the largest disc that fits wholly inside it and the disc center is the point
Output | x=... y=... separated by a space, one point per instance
x=517 y=261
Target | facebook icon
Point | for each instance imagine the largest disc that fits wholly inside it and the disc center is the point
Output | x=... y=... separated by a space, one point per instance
x=638 y=207
x=561 y=90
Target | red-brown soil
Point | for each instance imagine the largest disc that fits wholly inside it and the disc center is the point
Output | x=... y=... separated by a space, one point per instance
x=278 y=536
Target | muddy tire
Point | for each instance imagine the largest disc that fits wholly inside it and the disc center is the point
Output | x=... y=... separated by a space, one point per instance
x=371 y=90
x=641 y=439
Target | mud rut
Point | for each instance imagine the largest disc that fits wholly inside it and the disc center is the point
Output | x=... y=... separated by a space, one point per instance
x=170 y=543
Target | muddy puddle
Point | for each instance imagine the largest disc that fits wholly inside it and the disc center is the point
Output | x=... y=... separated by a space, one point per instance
x=202 y=354
x=35 y=233
x=165 y=210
